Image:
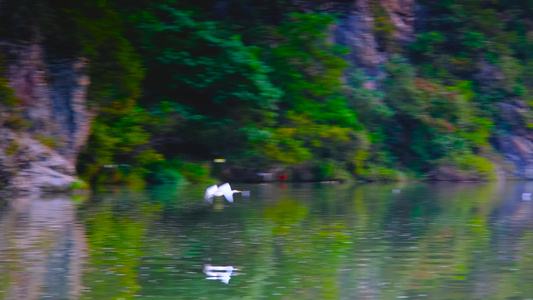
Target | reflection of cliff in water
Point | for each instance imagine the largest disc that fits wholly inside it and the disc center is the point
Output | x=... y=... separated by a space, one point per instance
x=41 y=249
x=512 y=220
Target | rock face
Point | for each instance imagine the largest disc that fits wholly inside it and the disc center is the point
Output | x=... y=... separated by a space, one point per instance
x=515 y=142
x=356 y=27
x=52 y=95
x=356 y=31
x=512 y=138
x=402 y=15
x=519 y=151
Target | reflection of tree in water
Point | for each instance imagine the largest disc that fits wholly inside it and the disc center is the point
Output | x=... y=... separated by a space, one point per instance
x=447 y=241
x=41 y=249
x=512 y=225
x=420 y=242
x=116 y=227
x=309 y=248
x=434 y=241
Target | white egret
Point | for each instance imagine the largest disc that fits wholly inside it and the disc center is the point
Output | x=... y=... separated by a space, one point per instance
x=217 y=191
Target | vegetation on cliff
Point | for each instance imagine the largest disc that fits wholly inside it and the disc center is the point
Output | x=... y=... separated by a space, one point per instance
x=179 y=83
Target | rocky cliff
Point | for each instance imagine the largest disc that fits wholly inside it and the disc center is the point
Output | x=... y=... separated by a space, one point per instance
x=358 y=30
x=40 y=153
x=41 y=134
x=359 y=27
x=514 y=141
x=374 y=29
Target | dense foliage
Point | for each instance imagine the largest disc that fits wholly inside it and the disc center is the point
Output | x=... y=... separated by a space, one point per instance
x=179 y=83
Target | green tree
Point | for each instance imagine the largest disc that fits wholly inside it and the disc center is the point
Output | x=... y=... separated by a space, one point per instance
x=215 y=82
x=315 y=118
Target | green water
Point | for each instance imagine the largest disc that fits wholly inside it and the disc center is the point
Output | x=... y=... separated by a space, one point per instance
x=300 y=241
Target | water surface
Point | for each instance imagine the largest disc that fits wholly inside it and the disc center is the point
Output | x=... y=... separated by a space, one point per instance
x=285 y=241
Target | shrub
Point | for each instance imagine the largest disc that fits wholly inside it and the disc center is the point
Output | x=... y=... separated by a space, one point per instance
x=79 y=185
x=195 y=172
x=464 y=165
x=379 y=173
x=165 y=172
x=12 y=147
x=49 y=141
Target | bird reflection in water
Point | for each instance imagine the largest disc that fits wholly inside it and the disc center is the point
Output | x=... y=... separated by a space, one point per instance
x=222 y=273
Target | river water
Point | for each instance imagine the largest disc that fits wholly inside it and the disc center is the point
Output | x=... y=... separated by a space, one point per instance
x=283 y=241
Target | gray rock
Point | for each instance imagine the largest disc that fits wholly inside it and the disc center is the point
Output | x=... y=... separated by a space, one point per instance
x=518 y=151
x=34 y=167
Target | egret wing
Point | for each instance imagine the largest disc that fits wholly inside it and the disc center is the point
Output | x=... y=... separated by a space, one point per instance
x=226 y=191
x=210 y=192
